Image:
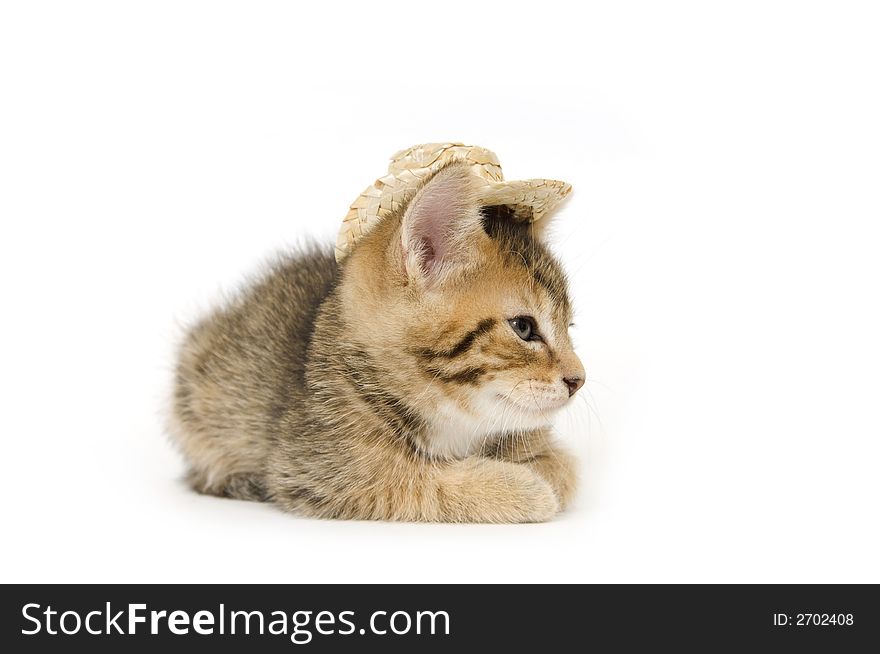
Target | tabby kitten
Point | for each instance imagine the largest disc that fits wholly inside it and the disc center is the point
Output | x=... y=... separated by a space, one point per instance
x=415 y=381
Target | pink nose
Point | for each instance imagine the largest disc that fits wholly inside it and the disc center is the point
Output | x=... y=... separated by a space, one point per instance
x=573 y=383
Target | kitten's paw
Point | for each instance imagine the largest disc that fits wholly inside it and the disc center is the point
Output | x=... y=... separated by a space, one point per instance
x=482 y=490
x=559 y=468
x=539 y=452
x=534 y=499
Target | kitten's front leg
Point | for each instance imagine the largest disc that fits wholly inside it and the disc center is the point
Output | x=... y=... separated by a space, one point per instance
x=481 y=490
x=538 y=451
x=380 y=479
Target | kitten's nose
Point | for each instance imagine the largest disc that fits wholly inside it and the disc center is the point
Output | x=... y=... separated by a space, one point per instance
x=573 y=383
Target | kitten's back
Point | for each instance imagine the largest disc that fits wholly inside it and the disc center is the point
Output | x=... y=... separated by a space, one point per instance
x=241 y=367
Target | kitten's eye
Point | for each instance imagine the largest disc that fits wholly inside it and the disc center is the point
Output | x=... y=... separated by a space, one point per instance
x=524 y=327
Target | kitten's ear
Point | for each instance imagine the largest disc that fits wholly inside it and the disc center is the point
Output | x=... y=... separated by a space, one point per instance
x=441 y=225
x=542 y=230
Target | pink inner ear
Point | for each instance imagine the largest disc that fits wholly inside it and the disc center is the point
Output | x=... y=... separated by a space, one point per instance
x=437 y=217
x=431 y=225
x=429 y=253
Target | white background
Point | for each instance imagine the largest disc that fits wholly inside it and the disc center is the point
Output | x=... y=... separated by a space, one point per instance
x=722 y=240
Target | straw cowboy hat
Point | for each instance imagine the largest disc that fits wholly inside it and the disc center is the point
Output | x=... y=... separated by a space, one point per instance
x=529 y=200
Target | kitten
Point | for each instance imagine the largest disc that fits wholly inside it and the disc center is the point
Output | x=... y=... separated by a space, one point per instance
x=415 y=381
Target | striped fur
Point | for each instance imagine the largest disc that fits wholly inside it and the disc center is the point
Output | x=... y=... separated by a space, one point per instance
x=392 y=387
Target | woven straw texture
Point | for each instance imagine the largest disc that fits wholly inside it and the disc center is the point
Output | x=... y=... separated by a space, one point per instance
x=530 y=199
